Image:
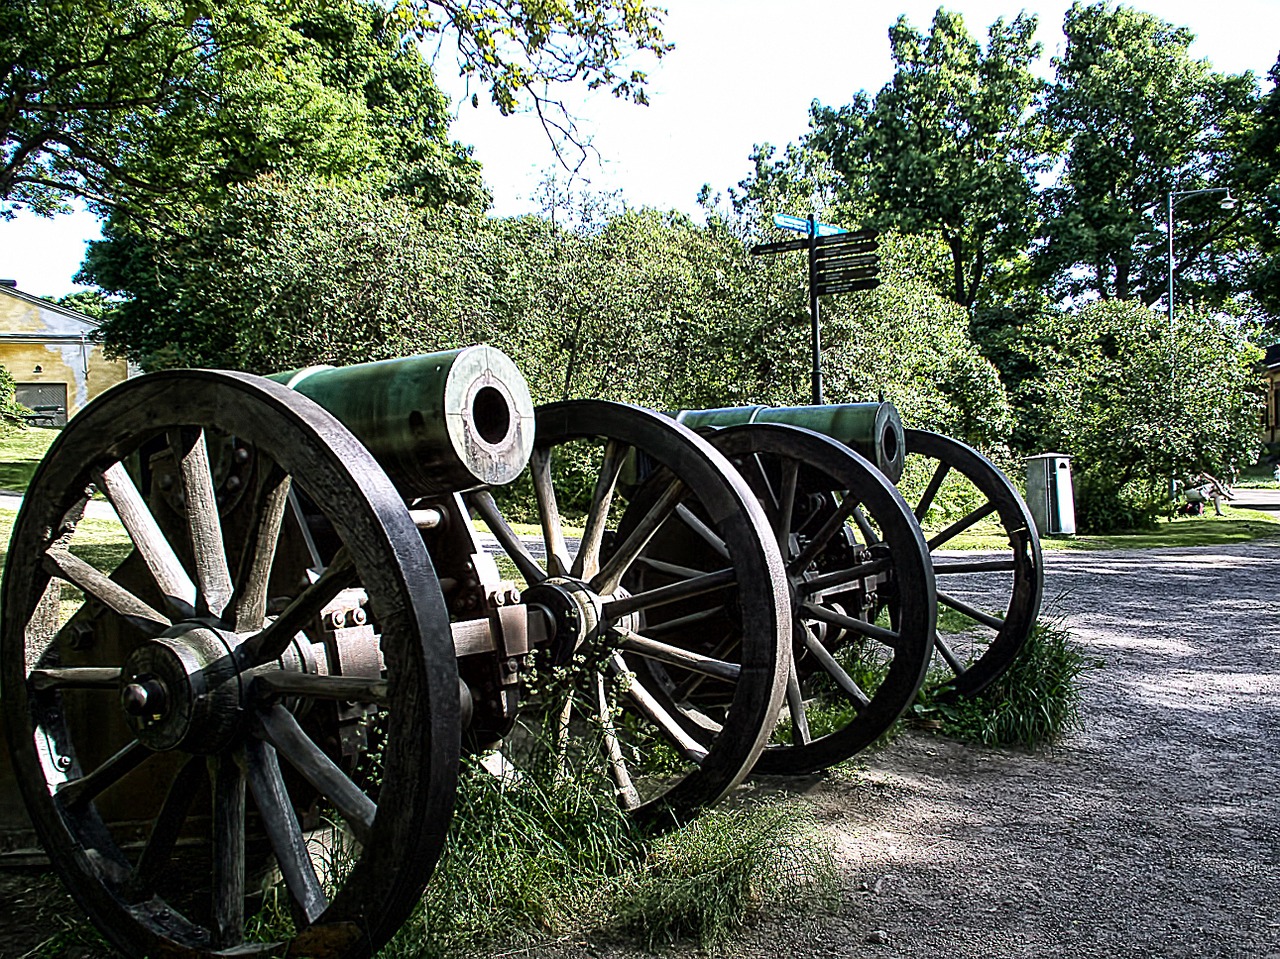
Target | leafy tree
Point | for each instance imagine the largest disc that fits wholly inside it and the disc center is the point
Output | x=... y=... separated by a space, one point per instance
x=950 y=145
x=92 y=303
x=1258 y=168
x=143 y=103
x=1135 y=403
x=1139 y=117
x=288 y=274
x=522 y=51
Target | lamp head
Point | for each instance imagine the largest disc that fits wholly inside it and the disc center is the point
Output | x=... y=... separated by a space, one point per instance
x=1228 y=202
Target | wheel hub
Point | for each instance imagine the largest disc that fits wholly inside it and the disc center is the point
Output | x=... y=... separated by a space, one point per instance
x=184 y=690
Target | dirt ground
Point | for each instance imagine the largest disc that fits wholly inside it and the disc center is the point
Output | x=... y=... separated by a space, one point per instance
x=1155 y=832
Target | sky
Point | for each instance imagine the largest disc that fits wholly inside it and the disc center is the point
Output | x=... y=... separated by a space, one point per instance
x=742 y=72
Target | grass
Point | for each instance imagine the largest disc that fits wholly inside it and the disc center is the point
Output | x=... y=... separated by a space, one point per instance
x=1035 y=703
x=101 y=542
x=20 y=451
x=1233 y=526
x=548 y=858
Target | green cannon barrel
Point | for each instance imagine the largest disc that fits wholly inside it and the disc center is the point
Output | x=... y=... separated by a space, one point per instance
x=871 y=429
x=437 y=422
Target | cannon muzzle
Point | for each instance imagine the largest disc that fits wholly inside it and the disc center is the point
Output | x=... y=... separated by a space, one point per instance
x=437 y=422
x=872 y=429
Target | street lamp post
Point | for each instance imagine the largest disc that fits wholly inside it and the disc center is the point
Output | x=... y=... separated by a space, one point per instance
x=1171 y=201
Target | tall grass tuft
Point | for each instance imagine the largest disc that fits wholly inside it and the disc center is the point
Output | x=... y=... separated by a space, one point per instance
x=544 y=857
x=706 y=880
x=1036 y=702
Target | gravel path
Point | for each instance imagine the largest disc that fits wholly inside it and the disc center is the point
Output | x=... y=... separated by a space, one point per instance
x=1155 y=832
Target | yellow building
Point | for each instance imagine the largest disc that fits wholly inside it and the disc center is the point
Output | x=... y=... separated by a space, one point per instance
x=50 y=351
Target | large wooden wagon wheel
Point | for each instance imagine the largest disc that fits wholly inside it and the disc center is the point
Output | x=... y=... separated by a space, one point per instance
x=170 y=739
x=980 y=636
x=637 y=472
x=861 y=586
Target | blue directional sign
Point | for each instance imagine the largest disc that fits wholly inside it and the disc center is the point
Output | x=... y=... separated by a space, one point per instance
x=801 y=225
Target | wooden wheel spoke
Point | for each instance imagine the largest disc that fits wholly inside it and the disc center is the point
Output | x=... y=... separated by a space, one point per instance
x=948 y=655
x=175 y=585
x=834 y=669
x=786 y=505
x=649 y=707
x=281 y=827
x=564 y=722
x=587 y=563
x=611 y=573
x=682 y=622
x=281 y=729
x=168 y=824
x=671 y=569
x=78 y=792
x=548 y=511
x=821 y=613
x=795 y=706
x=708 y=535
x=74 y=677
x=960 y=525
x=671 y=593
x=249 y=601
x=273 y=683
x=624 y=787
x=977 y=566
x=482 y=502
x=213 y=575
x=275 y=639
x=833 y=524
x=676 y=656
x=67 y=566
x=935 y=484
x=869 y=534
x=228 y=850
x=722 y=650
x=995 y=622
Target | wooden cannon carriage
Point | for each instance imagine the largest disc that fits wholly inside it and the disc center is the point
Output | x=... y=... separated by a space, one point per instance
x=308 y=631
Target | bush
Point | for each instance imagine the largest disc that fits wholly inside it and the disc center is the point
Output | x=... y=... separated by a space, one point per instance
x=11 y=411
x=1035 y=703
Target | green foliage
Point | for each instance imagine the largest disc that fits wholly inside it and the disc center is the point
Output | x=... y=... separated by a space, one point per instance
x=1139 y=117
x=161 y=104
x=951 y=145
x=1258 y=168
x=1135 y=403
x=289 y=274
x=11 y=411
x=1036 y=702
x=92 y=303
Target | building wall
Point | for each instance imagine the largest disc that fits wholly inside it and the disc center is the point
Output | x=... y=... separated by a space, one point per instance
x=46 y=344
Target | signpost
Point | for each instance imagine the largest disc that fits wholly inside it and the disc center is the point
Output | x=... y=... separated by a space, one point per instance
x=839 y=262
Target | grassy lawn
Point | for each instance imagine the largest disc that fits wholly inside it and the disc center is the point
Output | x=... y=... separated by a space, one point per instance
x=20 y=451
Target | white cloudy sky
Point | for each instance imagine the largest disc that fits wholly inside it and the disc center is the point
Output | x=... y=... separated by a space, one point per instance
x=743 y=72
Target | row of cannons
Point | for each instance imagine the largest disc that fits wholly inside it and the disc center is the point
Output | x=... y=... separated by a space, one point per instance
x=308 y=633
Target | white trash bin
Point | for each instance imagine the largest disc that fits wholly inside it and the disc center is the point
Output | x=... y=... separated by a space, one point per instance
x=1050 y=496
